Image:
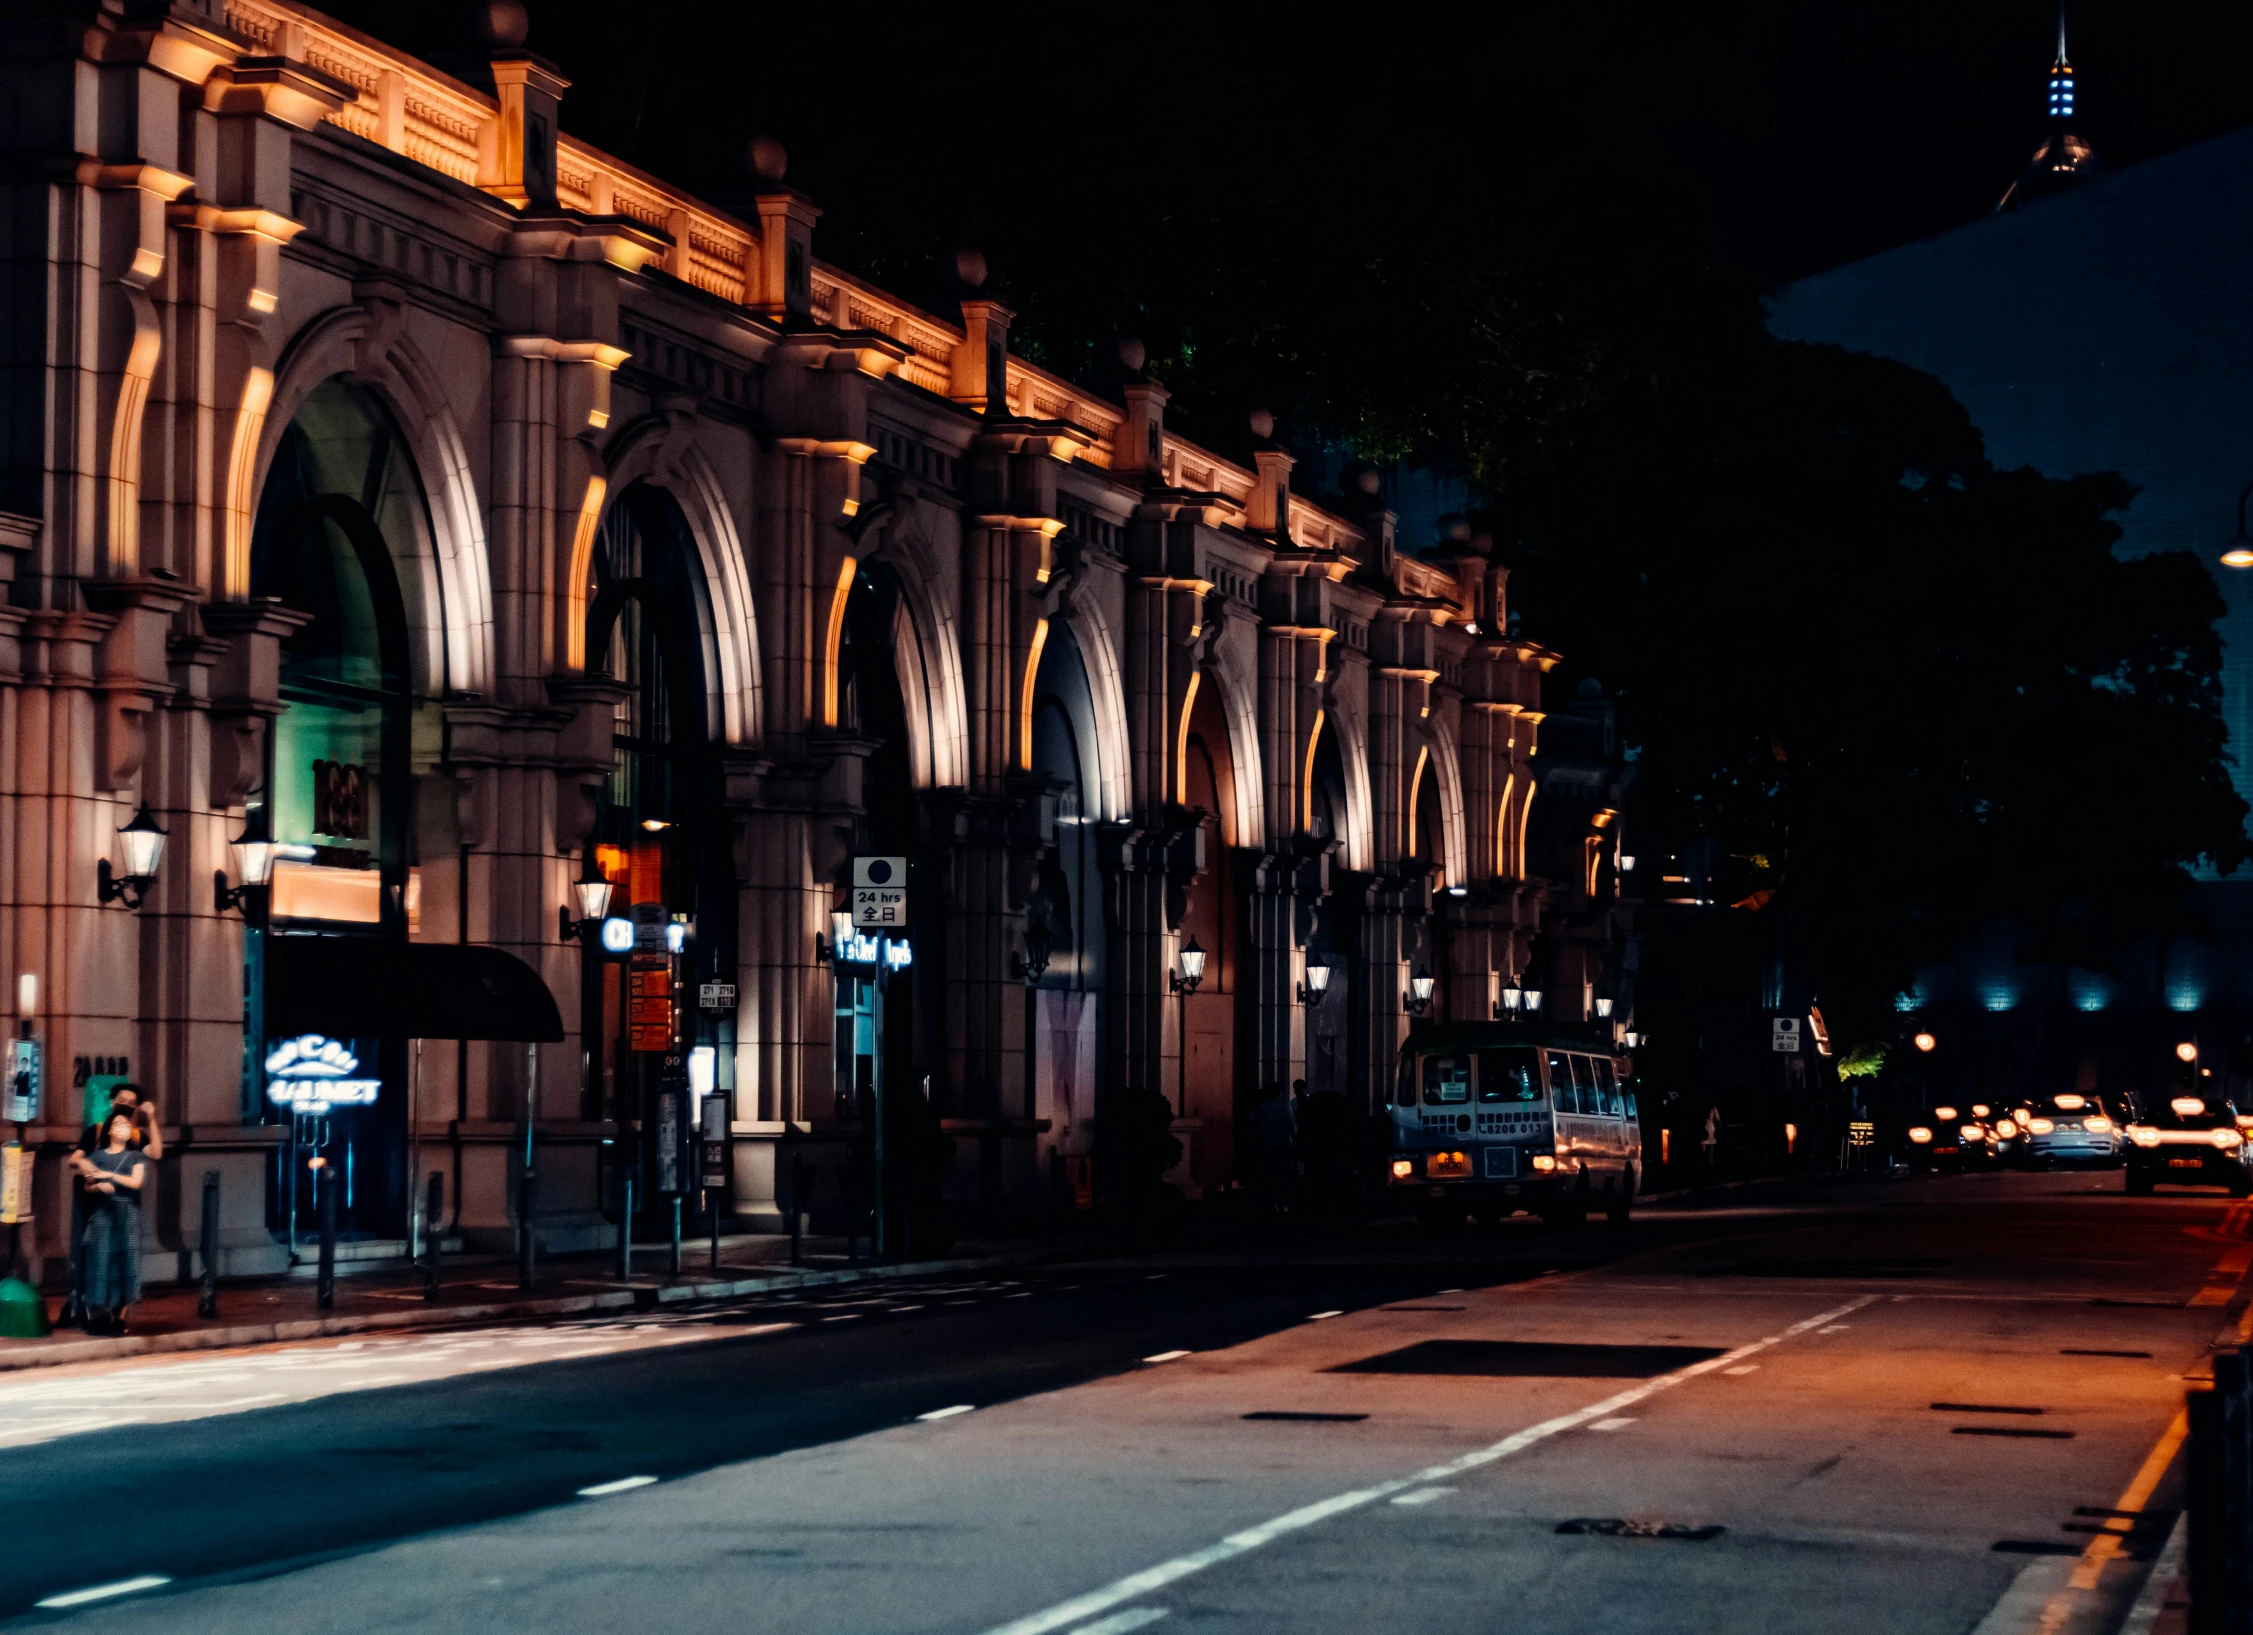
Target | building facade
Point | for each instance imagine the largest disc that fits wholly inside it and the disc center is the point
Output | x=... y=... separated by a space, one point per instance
x=477 y=516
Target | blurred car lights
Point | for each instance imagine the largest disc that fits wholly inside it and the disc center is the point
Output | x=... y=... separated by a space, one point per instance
x=1542 y=1160
x=2143 y=1135
x=2188 y=1106
x=1943 y=1112
x=2225 y=1138
x=1403 y=1168
x=2040 y=1126
x=1919 y=1134
x=2005 y=1129
x=2069 y=1104
x=1972 y=1132
x=2097 y=1122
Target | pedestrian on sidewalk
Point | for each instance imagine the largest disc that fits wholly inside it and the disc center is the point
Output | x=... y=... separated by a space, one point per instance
x=148 y=1138
x=113 y=1174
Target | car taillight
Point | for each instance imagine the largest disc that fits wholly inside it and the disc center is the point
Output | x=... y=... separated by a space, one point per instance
x=2225 y=1137
x=1403 y=1168
x=2040 y=1126
x=2143 y=1135
x=2006 y=1129
x=1920 y=1135
x=2097 y=1122
x=1972 y=1132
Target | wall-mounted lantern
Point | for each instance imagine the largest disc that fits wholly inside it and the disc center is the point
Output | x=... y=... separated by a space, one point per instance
x=144 y=850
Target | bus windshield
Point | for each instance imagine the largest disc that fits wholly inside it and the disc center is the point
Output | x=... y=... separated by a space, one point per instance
x=1447 y=1079
x=1508 y=1075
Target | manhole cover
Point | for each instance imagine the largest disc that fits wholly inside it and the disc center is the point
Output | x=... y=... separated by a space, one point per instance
x=1532 y=1359
x=1618 y=1527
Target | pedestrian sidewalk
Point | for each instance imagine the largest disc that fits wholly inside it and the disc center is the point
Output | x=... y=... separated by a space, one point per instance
x=475 y=1289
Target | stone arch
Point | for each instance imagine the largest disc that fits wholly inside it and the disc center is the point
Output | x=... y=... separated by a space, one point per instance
x=454 y=641
x=649 y=450
x=929 y=662
x=1347 y=721
x=1447 y=770
x=1239 y=708
x=1107 y=694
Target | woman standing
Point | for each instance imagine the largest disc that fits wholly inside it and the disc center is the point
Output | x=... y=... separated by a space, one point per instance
x=114 y=1174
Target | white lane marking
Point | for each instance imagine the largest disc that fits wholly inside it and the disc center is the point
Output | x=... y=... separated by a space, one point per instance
x=104 y=1592
x=948 y=1413
x=1451 y=1291
x=1423 y=1495
x=624 y=1484
x=1318 y=1316
x=1167 y=1356
x=1067 y=1614
x=1616 y=1423
x=1120 y=1622
x=1743 y=1368
x=1835 y=1328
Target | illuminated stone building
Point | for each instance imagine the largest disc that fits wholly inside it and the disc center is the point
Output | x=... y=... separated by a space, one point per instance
x=479 y=513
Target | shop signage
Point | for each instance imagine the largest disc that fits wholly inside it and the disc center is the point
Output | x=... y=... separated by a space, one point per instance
x=649 y=928
x=15 y=1184
x=669 y=1135
x=313 y=1074
x=649 y=1002
x=880 y=892
x=24 y=1082
x=713 y=1159
x=617 y=935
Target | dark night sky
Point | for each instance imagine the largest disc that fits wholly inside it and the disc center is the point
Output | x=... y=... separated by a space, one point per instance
x=1815 y=132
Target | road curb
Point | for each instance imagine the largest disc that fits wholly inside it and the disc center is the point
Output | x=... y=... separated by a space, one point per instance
x=643 y=1297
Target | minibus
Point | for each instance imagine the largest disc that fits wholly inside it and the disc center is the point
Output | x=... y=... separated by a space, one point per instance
x=1489 y=1118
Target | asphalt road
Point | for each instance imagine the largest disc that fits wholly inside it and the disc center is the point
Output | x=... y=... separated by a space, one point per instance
x=1939 y=1405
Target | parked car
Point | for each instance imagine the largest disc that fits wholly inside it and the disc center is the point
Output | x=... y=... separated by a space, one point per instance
x=2069 y=1128
x=2191 y=1141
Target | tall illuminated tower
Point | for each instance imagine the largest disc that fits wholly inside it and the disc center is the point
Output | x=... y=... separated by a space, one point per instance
x=2063 y=158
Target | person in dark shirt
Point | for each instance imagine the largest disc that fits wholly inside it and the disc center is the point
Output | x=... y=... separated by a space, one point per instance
x=112 y=1175
x=147 y=1138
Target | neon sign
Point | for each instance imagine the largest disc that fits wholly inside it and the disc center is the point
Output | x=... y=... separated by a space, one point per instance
x=312 y=1074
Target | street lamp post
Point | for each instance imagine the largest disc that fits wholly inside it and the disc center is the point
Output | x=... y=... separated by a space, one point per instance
x=1185 y=982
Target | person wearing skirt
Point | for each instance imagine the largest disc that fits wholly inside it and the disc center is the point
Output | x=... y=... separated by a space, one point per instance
x=114 y=1173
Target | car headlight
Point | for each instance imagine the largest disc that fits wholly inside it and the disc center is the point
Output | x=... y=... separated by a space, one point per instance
x=2006 y=1129
x=2097 y=1122
x=2225 y=1138
x=1403 y=1168
x=2040 y=1126
x=1920 y=1135
x=1972 y=1132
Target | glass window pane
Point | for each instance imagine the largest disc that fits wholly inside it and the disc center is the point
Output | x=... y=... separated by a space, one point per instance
x=1561 y=1084
x=1447 y=1079
x=1508 y=1075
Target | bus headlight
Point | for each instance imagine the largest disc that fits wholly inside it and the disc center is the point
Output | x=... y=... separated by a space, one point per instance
x=1542 y=1161
x=1403 y=1169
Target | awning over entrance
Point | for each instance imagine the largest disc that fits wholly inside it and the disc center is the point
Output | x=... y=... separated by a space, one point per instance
x=362 y=987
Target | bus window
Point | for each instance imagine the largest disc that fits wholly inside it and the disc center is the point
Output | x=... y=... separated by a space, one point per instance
x=1447 y=1079
x=1605 y=1081
x=1508 y=1075
x=1561 y=1084
x=1405 y=1094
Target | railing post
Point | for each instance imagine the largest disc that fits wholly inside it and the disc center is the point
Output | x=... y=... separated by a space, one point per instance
x=207 y=1244
x=526 y=1197
x=800 y=1185
x=433 y=1218
x=324 y=1283
x=626 y=1227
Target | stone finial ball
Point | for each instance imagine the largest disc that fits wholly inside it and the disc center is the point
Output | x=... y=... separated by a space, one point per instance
x=1132 y=353
x=1454 y=529
x=769 y=159
x=970 y=267
x=1483 y=543
x=1590 y=689
x=1369 y=481
x=1263 y=423
x=501 y=24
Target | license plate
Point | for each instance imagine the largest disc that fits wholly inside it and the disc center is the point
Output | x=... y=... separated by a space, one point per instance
x=2186 y=1163
x=1501 y=1163
x=1448 y=1163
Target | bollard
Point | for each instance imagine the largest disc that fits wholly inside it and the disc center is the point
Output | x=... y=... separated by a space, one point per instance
x=673 y=1260
x=2221 y=1500
x=626 y=1227
x=324 y=1284
x=712 y=1216
x=526 y=1192
x=207 y=1243
x=801 y=1183
x=433 y=1217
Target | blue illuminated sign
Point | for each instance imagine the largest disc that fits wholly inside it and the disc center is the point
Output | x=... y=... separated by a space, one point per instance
x=312 y=1074
x=617 y=935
